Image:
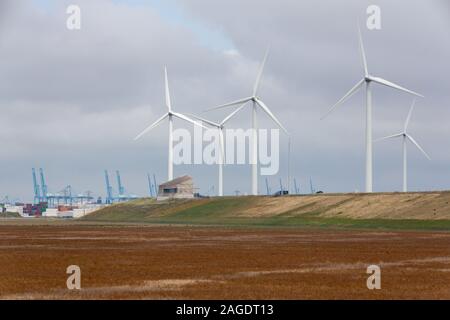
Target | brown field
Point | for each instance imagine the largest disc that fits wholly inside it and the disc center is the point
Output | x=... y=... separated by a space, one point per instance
x=148 y=262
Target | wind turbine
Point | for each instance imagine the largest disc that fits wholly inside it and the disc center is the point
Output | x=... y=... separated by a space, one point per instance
x=257 y=102
x=170 y=114
x=367 y=80
x=405 y=137
x=220 y=126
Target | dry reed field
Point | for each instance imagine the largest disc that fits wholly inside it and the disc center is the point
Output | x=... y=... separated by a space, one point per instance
x=180 y=262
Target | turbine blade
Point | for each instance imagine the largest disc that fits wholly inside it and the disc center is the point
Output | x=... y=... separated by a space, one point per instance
x=231 y=115
x=389 y=137
x=409 y=115
x=151 y=126
x=260 y=73
x=393 y=85
x=167 y=92
x=344 y=98
x=363 y=53
x=234 y=103
x=418 y=146
x=271 y=115
x=185 y=118
x=211 y=123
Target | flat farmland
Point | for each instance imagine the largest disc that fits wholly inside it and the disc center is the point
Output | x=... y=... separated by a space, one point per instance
x=181 y=262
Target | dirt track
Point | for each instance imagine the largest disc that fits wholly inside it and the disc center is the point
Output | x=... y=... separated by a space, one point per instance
x=216 y=263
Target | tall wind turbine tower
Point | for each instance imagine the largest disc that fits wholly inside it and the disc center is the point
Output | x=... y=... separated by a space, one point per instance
x=297 y=190
x=221 y=127
x=256 y=103
x=405 y=137
x=367 y=81
x=267 y=187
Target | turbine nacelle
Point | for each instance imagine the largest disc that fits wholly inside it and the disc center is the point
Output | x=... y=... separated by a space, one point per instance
x=405 y=134
x=170 y=113
x=254 y=98
x=368 y=79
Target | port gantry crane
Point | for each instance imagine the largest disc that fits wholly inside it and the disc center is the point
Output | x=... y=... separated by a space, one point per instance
x=37 y=192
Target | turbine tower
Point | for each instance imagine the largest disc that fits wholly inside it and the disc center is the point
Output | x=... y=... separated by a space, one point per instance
x=170 y=114
x=297 y=189
x=267 y=187
x=220 y=127
x=405 y=137
x=367 y=80
x=256 y=102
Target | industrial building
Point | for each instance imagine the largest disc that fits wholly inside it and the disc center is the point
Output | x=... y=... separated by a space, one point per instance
x=178 y=188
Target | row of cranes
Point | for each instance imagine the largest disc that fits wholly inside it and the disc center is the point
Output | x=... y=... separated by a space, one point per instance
x=66 y=196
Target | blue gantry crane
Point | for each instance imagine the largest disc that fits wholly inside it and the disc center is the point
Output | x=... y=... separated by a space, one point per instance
x=150 y=187
x=122 y=196
x=155 y=185
x=120 y=186
x=109 y=194
x=37 y=192
x=43 y=186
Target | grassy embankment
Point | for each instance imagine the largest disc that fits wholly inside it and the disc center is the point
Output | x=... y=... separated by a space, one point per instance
x=425 y=211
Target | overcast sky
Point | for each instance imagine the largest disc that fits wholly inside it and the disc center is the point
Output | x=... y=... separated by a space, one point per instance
x=72 y=101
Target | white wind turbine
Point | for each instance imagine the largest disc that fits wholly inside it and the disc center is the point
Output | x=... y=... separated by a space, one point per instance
x=220 y=127
x=405 y=137
x=257 y=102
x=368 y=79
x=170 y=114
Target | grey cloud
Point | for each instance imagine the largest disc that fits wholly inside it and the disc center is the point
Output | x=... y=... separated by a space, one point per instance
x=73 y=101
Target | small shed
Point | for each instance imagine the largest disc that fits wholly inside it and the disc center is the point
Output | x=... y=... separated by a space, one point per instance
x=178 y=188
